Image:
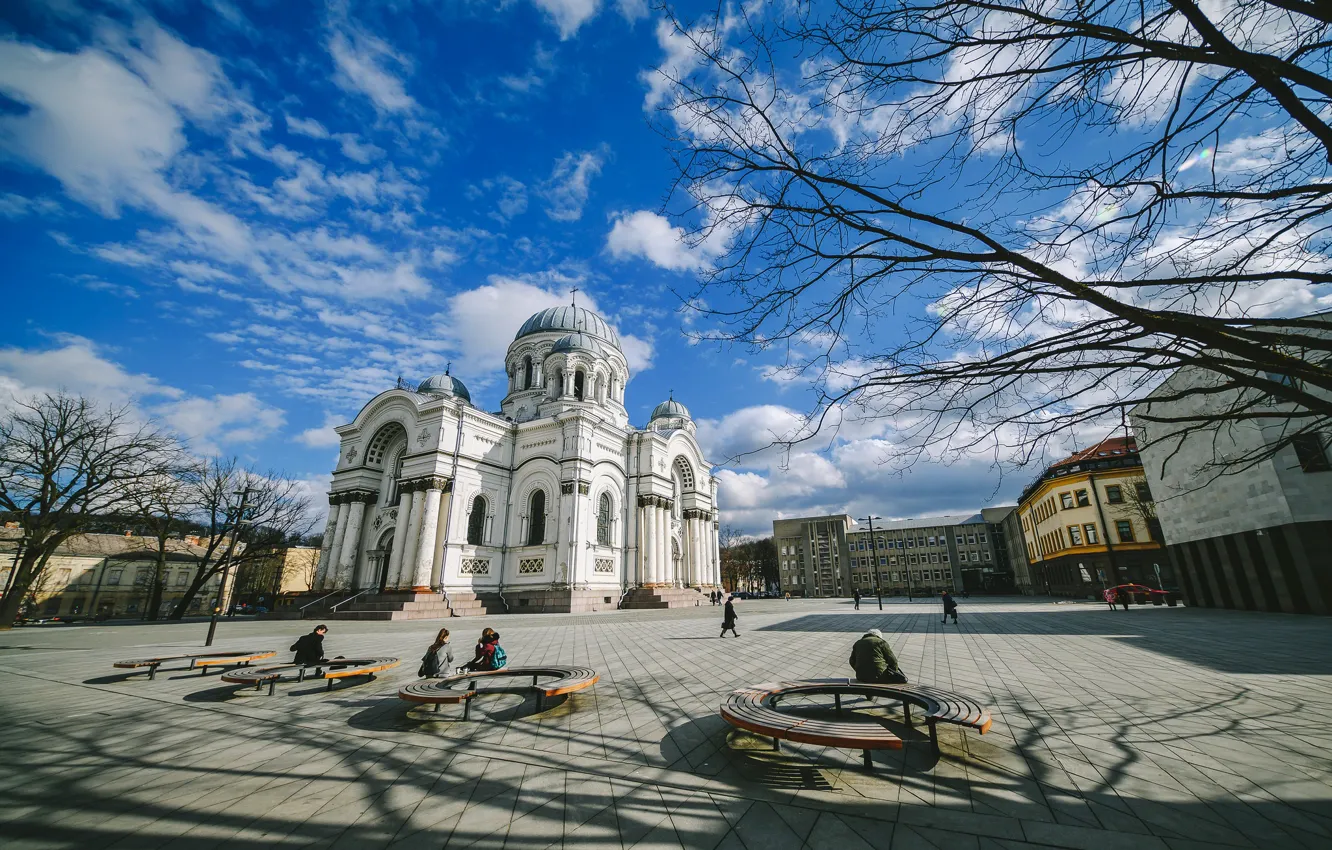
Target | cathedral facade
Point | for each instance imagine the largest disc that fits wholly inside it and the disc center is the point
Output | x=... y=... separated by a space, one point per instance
x=555 y=503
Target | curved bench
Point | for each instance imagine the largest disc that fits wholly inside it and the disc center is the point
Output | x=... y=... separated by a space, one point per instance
x=754 y=709
x=337 y=668
x=438 y=692
x=202 y=661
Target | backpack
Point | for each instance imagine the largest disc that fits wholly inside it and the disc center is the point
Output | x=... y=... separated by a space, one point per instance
x=429 y=664
x=499 y=659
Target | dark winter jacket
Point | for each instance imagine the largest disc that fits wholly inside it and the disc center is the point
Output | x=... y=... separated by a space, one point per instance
x=309 y=649
x=873 y=660
x=950 y=604
x=728 y=615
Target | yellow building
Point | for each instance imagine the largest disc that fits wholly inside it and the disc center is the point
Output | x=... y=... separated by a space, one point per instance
x=1089 y=523
x=109 y=575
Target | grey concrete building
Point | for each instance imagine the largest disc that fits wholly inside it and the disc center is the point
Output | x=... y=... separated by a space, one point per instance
x=834 y=556
x=1256 y=539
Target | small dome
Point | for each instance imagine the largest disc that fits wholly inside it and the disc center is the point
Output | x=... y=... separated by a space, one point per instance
x=576 y=342
x=670 y=408
x=444 y=385
x=574 y=319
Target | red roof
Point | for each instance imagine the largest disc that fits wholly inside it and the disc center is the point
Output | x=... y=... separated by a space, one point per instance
x=1109 y=447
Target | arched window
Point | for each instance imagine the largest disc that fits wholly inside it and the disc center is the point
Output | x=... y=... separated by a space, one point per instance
x=527 y=372
x=579 y=378
x=604 y=520
x=536 y=518
x=476 y=523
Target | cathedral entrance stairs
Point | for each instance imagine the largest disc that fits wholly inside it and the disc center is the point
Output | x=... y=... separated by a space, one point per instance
x=646 y=598
x=414 y=606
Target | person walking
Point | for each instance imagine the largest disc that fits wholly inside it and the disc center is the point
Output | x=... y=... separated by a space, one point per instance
x=1122 y=596
x=309 y=648
x=438 y=658
x=856 y=595
x=874 y=662
x=729 y=618
x=950 y=607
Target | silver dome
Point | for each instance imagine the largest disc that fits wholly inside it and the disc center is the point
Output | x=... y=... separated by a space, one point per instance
x=670 y=408
x=576 y=342
x=444 y=385
x=569 y=319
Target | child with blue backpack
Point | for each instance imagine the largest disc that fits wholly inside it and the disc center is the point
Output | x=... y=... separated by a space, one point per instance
x=489 y=654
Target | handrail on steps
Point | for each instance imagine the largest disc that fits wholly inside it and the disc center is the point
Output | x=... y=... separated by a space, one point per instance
x=350 y=598
x=301 y=610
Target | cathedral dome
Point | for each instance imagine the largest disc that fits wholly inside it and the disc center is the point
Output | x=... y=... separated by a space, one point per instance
x=575 y=319
x=670 y=407
x=576 y=342
x=444 y=385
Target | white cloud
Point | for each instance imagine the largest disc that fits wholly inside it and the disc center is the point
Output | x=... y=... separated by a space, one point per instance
x=363 y=66
x=569 y=15
x=14 y=207
x=512 y=194
x=632 y=10
x=222 y=419
x=322 y=436
x=652 y=237
x=567 y=189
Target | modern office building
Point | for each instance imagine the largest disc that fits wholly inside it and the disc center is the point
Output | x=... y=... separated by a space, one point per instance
x=833 y=556
x=1088 y=523
x=1257 y=537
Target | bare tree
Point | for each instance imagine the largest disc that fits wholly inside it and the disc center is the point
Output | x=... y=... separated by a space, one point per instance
x=163 y=506
x=733 y=568
x=995 y=222
x=245 y=517
x=63 y=461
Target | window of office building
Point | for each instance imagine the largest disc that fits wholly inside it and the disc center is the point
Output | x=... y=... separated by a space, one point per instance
x=1114 y=494
x=1090 y=530
x=1124 y=529
x=1066 y=499
x=1083 y=500
x=1075 y=535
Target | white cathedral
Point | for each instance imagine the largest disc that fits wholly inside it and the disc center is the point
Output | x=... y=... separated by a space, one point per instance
x=556 y=503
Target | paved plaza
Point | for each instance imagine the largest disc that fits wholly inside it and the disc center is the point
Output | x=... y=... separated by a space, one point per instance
x=1152 y=728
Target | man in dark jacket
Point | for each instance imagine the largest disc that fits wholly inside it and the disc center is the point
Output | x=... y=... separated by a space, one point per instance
x=950 y=607
x=309 y=648
x=874 y=662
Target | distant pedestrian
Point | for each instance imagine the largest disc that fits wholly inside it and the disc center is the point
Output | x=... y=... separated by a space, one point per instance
x=950 y=607
x=438 y=658
x=788 y=596
x=874 y=662
x=728 y=619
x=856 y=595
x=1109 y=596
x=309 y=648
x=1121 y=596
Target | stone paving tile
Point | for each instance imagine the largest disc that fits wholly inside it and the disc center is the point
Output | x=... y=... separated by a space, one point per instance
x=1161 y=728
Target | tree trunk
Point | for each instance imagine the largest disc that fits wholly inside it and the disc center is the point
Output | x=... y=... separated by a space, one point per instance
x=155 y=594
x=23 y=580
x=178 y=612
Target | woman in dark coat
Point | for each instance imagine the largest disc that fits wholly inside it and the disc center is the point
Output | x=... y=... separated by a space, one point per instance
x=309 y=648
x=728 y=619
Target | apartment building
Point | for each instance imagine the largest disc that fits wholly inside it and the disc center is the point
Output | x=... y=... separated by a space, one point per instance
x=834 y=556
x=1088 y=523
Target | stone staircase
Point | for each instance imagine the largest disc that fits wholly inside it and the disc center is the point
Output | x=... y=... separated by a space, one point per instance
x=407 y=605
x=647 y=598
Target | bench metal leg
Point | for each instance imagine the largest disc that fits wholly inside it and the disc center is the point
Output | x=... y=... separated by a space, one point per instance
x=437 y=705
x=534 y=681
x=152 y=672
x=869 y=763
x=837 y=700
x=541 y=701
x=467 y=707
x=272 y=686
x=906 y=712
x=330 y=685
x=934 y=735
x=776 y=745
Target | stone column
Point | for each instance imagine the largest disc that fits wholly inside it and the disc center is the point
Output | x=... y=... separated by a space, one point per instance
x=395 y=579
x=644 y=544
x=326 y=550
x=407 y=566
x=425 y=547
x=694 y=577
x=335 y=551
x=664 y=544
x=351 y=541
x=714 y=547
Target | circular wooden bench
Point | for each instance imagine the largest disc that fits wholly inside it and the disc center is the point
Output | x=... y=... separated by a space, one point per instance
x=336 y=668
x=439 y=691
x=201 y=661
x=754 y=709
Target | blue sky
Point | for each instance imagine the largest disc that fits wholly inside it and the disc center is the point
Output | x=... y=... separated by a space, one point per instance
x=247 y=218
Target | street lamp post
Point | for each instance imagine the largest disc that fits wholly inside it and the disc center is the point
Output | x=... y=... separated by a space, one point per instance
x=878 y=590
x=226 y=566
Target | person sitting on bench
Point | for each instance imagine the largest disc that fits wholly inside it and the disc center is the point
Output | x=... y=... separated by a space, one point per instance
x=309 y=648
x=489 y=655
x=874 y=662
